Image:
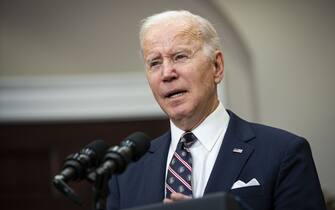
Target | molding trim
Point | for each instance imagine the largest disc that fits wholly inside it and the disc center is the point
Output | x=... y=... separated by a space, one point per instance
x=73 y=97
x=78 y=97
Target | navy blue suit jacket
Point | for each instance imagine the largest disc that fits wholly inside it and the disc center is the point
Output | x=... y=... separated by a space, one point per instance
x=280 y=161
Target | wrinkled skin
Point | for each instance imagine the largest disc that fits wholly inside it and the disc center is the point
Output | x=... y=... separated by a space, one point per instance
x=182 y=77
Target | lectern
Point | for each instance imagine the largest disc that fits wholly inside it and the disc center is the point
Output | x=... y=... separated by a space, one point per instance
x=216 y=201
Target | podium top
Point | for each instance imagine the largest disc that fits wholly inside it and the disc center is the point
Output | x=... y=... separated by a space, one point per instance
x=215 y=201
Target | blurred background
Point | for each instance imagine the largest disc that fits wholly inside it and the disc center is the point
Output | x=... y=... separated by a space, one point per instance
x=71 y=72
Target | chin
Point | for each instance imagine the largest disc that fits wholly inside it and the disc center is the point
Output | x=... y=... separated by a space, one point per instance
x=178 y=114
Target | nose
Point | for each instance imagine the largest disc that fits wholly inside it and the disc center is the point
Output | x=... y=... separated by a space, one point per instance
x=169 y=72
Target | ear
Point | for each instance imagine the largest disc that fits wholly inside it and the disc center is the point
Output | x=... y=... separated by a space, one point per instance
x=218 y=66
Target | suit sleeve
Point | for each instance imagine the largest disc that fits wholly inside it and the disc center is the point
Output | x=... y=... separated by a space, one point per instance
x=298 y=185
x=113 y=200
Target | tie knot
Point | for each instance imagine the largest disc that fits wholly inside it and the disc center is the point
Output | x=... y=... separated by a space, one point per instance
x=188 y=139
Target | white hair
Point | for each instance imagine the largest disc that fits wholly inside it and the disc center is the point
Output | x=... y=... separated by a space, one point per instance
x=208 y=33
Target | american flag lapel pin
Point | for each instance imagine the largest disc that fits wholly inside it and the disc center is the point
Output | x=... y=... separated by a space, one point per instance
x=237 y=150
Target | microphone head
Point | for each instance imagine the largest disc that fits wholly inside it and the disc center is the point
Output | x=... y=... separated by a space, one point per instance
x=140 y=143
x=78 y=164
x=99 y=147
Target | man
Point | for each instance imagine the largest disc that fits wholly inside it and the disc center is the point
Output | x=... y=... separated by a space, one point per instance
x=209 y=149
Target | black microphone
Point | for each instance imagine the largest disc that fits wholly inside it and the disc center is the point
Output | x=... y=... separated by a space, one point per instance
x=77 y=166
x=131 y=149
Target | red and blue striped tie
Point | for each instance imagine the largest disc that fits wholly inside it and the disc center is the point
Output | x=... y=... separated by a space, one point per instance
x=179 y=176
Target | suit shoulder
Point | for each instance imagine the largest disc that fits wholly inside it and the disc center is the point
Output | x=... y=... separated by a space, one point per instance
x=280 y=140
x=265 y=134
x=274 y=132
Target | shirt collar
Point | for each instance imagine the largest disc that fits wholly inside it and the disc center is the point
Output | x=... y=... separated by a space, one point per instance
x=208 y=132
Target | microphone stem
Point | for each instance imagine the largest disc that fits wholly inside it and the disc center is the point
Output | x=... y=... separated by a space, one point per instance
x=66 y=190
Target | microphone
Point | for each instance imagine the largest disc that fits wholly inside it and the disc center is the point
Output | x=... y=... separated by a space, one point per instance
x=77 y=165
x=131 y=149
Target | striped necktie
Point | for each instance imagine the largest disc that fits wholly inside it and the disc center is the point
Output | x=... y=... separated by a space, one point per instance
x=179 y=176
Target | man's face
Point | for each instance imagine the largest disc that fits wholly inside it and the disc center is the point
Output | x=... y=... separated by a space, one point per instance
x=182 y=78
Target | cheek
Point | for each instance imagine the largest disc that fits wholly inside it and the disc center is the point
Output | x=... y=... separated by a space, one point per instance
x=203 y=85
x=154 y=86
x=151 y=81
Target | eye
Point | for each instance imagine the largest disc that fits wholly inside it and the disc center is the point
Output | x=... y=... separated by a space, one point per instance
x=155 y=63
x=180 y=57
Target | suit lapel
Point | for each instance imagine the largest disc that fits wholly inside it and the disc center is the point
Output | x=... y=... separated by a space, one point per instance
x=233 y=154
x=154 y=167
x=227 y=167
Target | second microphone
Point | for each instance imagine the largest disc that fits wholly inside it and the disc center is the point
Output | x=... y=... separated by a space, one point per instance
x=118 y=157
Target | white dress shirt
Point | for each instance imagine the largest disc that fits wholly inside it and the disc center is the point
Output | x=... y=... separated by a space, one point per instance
x=210 y=135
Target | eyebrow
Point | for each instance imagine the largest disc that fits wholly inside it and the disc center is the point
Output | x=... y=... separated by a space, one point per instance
x=182 y=50
x=171 y=52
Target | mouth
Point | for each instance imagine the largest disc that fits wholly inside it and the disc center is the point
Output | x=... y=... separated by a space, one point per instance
x=175 y=93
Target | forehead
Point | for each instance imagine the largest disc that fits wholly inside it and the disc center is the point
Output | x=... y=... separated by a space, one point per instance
x=170 y=35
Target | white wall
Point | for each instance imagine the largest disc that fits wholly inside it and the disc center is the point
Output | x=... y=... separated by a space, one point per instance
x=293 y=56
x=44 y=41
